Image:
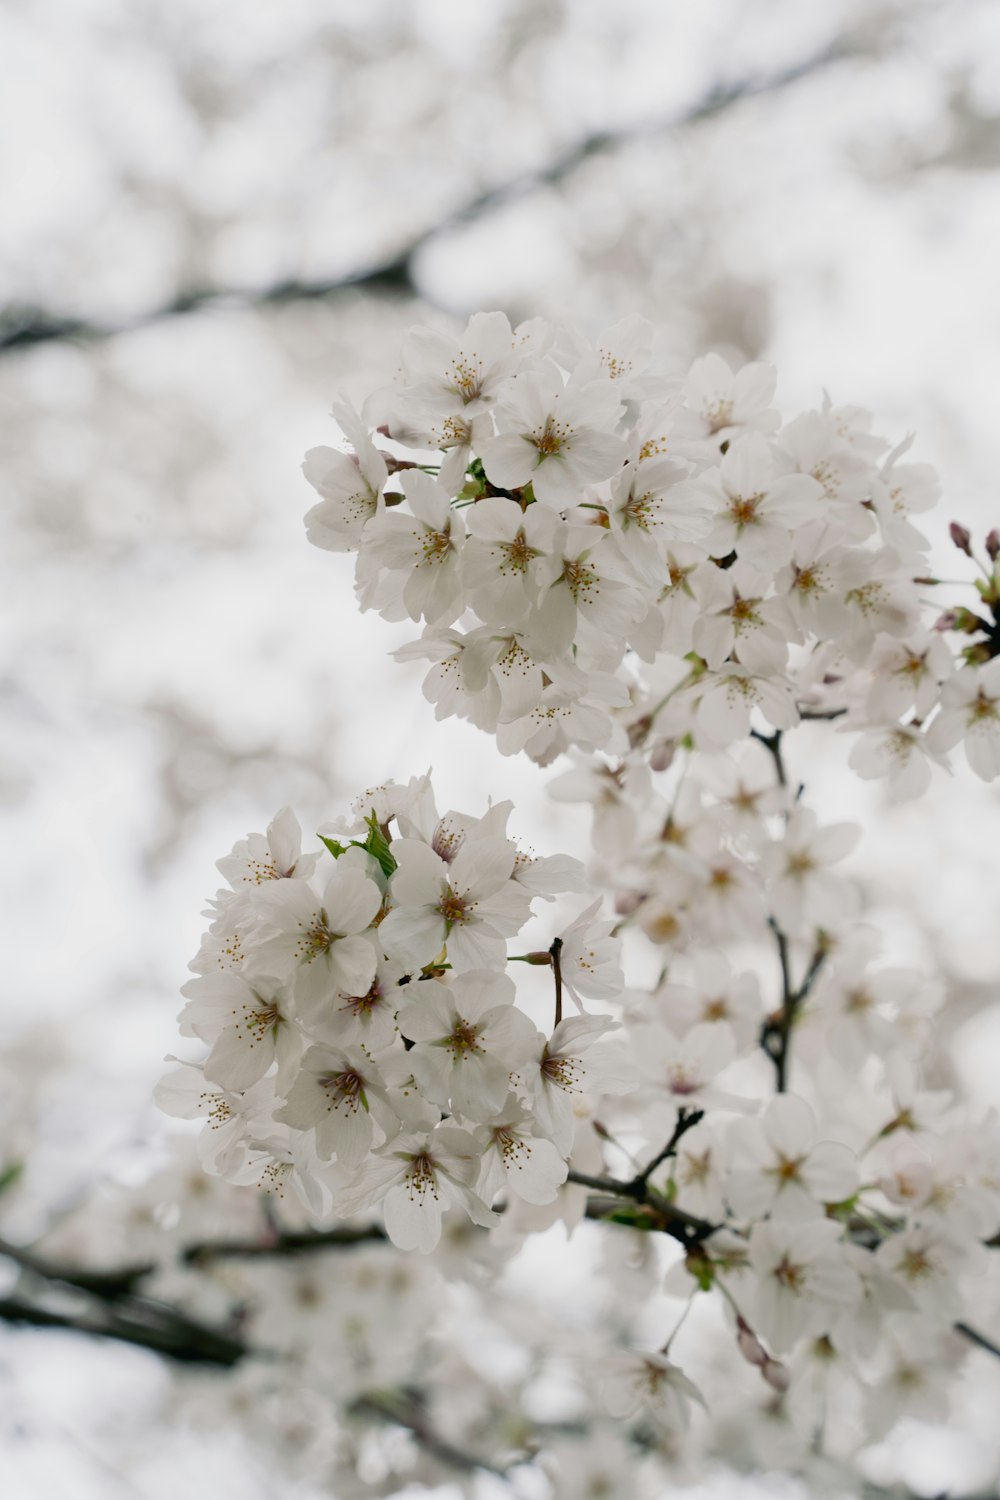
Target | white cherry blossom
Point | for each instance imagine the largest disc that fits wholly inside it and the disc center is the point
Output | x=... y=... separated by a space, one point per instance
x=780 y=1167
x=351 y=485
x=802 y=1279
x=468 y=907
x=316 y=938
x=557 y=438
x=970 y=712
x=516 y=1159
x=422 y=549
x=469 y=1037
x=416 y=1178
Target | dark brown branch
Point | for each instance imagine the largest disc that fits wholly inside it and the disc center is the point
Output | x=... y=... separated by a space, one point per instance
x=288 y=1242
x=654 y=1211
x=22 y=326
x=140 y=1322
x=979 y=1339
x=687 y=1119
x=776 y=1033
x=772 y=742
x=556 y=954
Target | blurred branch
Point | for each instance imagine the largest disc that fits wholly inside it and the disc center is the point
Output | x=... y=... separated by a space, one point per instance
x=403 y=1409
x=22 y=326
x=139 y=1321
x=288 y=1242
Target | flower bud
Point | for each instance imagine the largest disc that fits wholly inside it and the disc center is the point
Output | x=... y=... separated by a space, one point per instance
x=961 y=537
x=993 y=545
x=776 y=1374
x=750 y=1346
x=661 y=755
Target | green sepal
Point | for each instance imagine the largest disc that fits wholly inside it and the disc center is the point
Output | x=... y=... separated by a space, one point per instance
x=844 y=1208
x=702 y=1270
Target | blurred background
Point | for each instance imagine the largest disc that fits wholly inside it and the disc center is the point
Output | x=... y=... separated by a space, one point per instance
x=217 y=217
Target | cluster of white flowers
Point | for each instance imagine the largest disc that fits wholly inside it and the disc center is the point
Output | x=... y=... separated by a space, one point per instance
x=603 y=557
x=661 y=578
x=367 y=1049
x=366 y=1046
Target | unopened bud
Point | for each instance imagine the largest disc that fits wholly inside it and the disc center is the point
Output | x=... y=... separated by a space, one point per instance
x=993 y=545
x=750 y=1346
x=542 y=958
x=626 y=902
x=661 y=756
x=962 y=538
x=638 y=731
x=947 y=621
x=776 y=1374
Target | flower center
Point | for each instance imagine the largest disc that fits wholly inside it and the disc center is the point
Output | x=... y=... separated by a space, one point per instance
x=789 y=1275
x=435 y=545
x=582 y=581
x=315 y=940
x=344 y=1091
x=562 y=1071
x=454 y=908
x=743 y=509
x=463 y=1040
x=420 y=1179
x=551 y=438
x=720 y=415
x=517 y=554
x=467 y=378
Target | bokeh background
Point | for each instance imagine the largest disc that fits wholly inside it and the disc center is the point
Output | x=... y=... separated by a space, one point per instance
x=215 y=217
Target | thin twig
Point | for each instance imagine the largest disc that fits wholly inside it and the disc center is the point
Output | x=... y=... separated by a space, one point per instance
x=405 y=1412
x=979 y=1339
x=687 y=1119
x=776 y=1033
x=556 y=952
x=772 y=742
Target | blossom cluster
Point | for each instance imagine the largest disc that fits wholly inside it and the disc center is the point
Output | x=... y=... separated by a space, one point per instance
x=366 y=1047
x=661 y=578
x=369 y=1050
x=602 y=557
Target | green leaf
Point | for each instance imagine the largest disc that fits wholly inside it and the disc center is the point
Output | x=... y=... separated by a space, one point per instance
x=10 y=1174
x=335 y=848
x=377 y=845
x=634 y=1218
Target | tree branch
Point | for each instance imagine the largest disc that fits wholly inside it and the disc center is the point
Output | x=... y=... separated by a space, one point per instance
x=776 y=1033
x=687 y=1119
x=556 y=954
x=22 y=326
x=288 y=1242
x=141 y=1322
x=657 y=1212
x=404 y=1410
